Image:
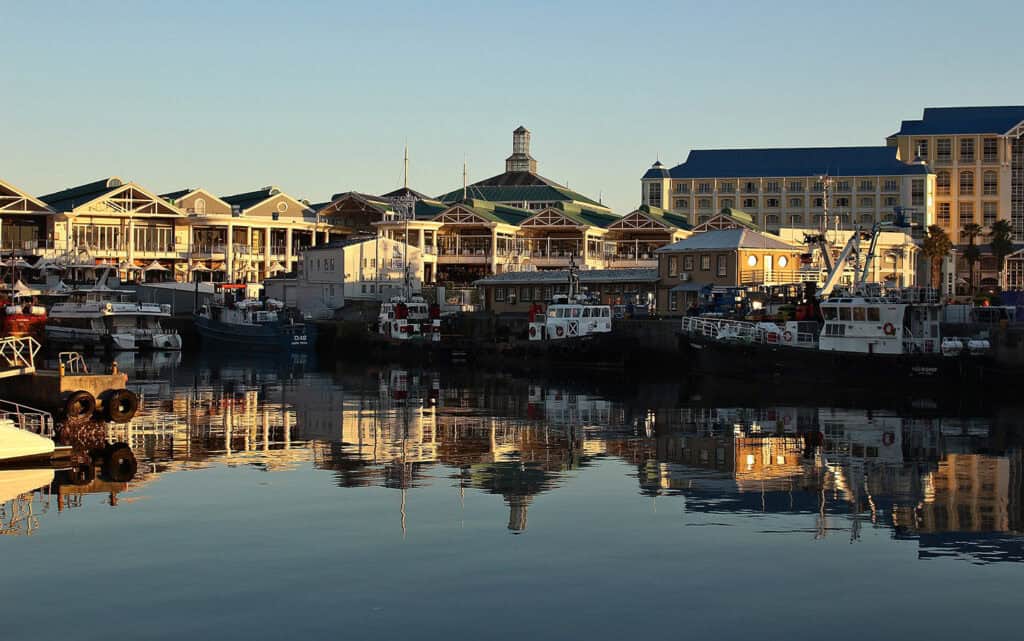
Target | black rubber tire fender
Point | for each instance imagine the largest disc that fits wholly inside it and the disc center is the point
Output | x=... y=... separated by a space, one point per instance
x=119 y=464
x=79 y=405
x=121 y=405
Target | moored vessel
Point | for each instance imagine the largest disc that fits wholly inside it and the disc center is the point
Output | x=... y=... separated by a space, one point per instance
x=232 y=320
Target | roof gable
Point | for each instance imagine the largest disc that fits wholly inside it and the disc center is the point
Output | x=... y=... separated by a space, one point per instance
x=128 y=198
x=728 y=239
x=188 y=200
x=68 y=199
x=964 y=120
x=648 y=218
x=13 y=199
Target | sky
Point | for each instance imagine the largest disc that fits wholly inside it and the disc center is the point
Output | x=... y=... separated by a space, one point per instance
x=320 y=97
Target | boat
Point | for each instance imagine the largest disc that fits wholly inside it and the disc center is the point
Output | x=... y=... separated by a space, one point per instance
x=569 y=316
x=20 y=315
x=861 y=335
x=25 y=434
x=111 y=319
x=405 y=318
x=231 y=319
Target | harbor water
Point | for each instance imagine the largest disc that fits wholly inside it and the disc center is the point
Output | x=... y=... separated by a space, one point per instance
x=285 y=498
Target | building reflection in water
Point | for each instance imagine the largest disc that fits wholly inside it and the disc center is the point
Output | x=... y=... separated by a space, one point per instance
x=954 y=485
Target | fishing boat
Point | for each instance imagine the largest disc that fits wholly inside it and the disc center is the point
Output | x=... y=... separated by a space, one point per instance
x=860 y=335
x=406 y=318
x=231 y=319
x=111 y=319
x=20 y=315
x=569 y=316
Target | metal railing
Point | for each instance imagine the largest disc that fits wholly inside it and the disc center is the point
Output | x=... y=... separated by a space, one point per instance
x=72 y=363
x=19 y=352
x=735 y=331
x=28 y=418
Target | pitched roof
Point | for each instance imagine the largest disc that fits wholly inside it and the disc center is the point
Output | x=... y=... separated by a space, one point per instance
x=549 y=276
x=582 y=215
x=519 y=186
x=657 y=170
x=492 y=211
x=175 y=195
x=738 y=238
x=68 y=199
x=248 y=199
x=425 y=208
x=10 y=195
x=666 y=217
x=796 y=161
x=963 y=120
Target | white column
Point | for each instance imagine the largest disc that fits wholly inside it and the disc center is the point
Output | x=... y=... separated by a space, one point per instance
x=312 y=242
x=229 y=253
x=266 y=250
x=288 y=249
x=494 y=250
x=131 y=240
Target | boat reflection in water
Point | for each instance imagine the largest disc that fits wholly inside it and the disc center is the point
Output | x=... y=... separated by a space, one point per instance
x=954 y=485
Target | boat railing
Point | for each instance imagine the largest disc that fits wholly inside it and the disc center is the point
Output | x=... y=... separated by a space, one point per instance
x=724 y=329
x=27 y=418
x=72 y=363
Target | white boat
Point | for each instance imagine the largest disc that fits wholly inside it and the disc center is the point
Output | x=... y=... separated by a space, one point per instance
x=105 y=317
x=403 y=318
x=569 y=316
x=18 y=445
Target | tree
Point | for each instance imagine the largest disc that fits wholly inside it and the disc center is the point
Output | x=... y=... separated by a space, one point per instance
x=1000 y=237
x=936 y=246
x=972 y=253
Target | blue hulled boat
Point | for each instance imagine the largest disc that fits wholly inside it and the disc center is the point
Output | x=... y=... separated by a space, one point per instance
x=232 y=320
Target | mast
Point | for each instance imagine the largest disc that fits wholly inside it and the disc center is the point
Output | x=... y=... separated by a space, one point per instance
x=464 y=179
x=405 y=170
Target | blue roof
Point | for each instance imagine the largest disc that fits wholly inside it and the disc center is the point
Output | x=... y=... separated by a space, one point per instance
x=807 y=161
x=657 y=170
x=963 y=120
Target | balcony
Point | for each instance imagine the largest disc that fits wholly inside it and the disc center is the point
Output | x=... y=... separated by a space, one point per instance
x=771 y=276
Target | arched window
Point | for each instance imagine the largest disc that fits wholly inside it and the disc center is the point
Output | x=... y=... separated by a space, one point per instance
x=942 y=183
x=990 y=183
x=200 y=205
x=967 y=183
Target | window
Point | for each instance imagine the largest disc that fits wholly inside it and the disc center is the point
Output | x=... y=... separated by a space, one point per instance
x=943 y=150
x=783 y=261
x=772 y=187
x=858 y=314
x=200 y=205
x=967 y=150
x=921 y=149
x=867 y=219
x=704 y=203
x=752 y=260
x=705 y=263
x=818 y=186
x=723 y=268
x=796 y=220
x=819 y=202
x=843 y=185
x=673 y=266
x=499 y=294
x=829 y=313
x=965 y=211
x=796 y=203
x=866 y=185
x=796 y=185
x=866 y=202
x=703 y=188
x=890 y=184
x=654 y=194
x=682 y=203
x=772 y=203
x=673 y=301
x=942 y=183
x=749 y=203
x=990 y=150
x=942 y=214
x=772 y=220
x=990 y=183
x=688 y=263
x=843 y=201
x=727 y=187
x=989 y=213
x=891 y=201
x=526 y=294
x=750 y=187
x=682 y=188
x=917 y=193
x=966 y=183
x=874 y=315
x=727 y=203
x=844 y=313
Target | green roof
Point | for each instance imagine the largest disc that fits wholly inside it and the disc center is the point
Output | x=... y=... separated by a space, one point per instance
x=494 y=211
x=582 y=215
x=741 y=217
x=520 y=187
x=666 y=217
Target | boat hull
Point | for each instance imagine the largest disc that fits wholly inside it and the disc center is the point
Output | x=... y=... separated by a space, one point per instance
x=757 y=361
x=18 y=446
x=268 y=337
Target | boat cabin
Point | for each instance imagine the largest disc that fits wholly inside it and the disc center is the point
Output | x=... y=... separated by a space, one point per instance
x=874 y=325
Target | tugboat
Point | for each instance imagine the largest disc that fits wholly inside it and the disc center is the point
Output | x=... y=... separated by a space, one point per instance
x=570 y=316
x=233 y=320
x=404 y=319
x=861 y=335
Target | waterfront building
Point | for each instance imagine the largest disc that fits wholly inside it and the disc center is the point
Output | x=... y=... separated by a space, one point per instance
x=117 y=222
x=720 y=258
x=26 y=222
x=790 y=187
x=517 y=291
x=370 y=268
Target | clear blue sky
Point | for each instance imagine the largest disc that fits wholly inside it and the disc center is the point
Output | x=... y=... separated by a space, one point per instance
x=319 y=97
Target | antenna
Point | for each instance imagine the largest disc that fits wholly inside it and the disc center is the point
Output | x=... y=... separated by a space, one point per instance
x=464 y=178
x=405 y=173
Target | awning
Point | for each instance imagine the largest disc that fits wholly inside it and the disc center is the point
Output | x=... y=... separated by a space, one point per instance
x=275 y=267
x=688 y=287
x=155 y=266
x=199 y=267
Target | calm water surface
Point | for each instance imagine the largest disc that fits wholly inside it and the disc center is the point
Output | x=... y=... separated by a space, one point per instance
x=276 y=500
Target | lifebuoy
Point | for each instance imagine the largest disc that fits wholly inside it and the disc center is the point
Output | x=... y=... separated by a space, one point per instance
x=788 y=336
x=533 y=331
x=889 y=329
x=888 y=439
x=559 y=330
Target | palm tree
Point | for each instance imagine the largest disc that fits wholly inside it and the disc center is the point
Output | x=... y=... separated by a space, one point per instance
x=936 y=246
x=1000 y=238
x=972 y=253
